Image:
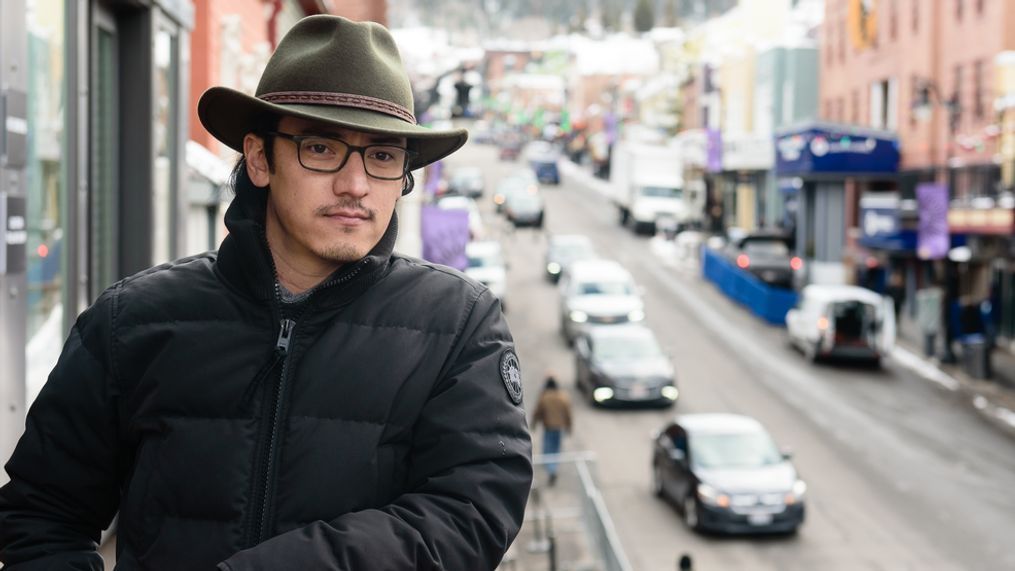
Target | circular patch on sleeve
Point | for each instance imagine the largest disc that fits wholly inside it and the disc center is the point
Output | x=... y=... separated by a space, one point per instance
x=511 y=374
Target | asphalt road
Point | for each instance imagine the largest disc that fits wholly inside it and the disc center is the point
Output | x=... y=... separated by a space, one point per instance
x=901 y=474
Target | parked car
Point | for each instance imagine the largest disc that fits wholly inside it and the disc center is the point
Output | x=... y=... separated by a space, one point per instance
x=517 y=181
x=509 y=146
x=486 y=265
x=842 y=321
x=595 y=292
x=467 y=181
x=620 y=364
x=726 y=474
x=563 y=249
x=525 y=209
x=455 y=202
x=543 y=157
x=767 y=255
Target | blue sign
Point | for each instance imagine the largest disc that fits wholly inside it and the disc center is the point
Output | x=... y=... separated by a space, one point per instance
x=827 y=148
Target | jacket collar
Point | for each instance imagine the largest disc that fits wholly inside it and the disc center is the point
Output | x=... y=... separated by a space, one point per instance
x=245 y=264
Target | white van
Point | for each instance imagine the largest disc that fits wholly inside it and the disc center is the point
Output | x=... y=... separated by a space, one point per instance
x=842 y=321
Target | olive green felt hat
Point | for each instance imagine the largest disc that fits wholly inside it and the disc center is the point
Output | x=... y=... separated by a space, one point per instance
x=336 y=71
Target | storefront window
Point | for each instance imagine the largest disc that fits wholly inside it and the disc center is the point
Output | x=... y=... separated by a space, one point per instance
x=46 y=185
x=166 y=106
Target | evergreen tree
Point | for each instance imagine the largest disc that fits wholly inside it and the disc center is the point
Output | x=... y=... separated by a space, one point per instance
x=644 y=18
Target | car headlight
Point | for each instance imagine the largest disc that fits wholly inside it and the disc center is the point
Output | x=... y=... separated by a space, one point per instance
x=797 y=493
x=553 y=268
x=670 y=392
x=578 y=316
x=711 y=496
x=636 y=315
x=602 y=393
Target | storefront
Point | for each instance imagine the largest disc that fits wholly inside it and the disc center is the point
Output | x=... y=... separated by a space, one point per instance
x=104 y=86
x=822 y=170
x=746 y=164
x=986 y=268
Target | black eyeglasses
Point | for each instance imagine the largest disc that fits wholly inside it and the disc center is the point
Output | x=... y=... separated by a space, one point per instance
x=327 y=154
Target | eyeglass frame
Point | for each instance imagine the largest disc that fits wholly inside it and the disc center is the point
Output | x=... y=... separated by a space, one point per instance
x=350 y=149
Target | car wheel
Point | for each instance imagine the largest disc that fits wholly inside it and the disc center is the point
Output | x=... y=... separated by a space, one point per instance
x=657 y=480
x=691 y=513
x=810 y=352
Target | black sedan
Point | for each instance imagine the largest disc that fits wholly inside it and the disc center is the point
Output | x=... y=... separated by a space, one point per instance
x=623 y=364
x=726 y=474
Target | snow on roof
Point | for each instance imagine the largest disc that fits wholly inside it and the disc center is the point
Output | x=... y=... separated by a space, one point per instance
x=616 y=55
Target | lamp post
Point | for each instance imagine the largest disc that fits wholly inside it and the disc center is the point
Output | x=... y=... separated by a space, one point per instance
x=928 y=94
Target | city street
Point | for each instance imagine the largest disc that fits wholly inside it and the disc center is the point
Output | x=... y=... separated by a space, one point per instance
x=901 y=474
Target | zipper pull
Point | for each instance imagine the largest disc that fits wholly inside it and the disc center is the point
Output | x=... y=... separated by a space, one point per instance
x=285 y=335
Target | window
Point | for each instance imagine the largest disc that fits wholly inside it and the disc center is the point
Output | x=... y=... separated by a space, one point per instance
x=883 y=104
x=958 y=10
x=978 y=108
x=979 y=7
x=842 y=41
x=46 y=192
x=854 y=114
x=893 y=21
x=916 y=15
x=956 y=99
x=166 y=113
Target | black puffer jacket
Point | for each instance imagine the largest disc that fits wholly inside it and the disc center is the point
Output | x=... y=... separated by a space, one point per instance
x=377 y=430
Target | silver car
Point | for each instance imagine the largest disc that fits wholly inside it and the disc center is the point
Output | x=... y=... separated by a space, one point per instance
x=597 y=292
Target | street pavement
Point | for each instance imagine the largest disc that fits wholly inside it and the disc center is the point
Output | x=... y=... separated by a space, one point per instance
x=903 y=473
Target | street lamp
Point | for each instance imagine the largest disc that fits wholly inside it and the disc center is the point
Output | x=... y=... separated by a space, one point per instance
x=927 y=95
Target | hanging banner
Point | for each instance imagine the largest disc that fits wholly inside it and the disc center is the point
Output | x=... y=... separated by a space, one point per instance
x=445 y=234
x=932 y=240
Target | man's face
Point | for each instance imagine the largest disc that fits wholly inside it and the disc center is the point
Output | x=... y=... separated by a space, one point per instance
x=326 y=218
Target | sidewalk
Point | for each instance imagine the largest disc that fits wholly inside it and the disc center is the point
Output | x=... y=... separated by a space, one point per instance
x=993 y=399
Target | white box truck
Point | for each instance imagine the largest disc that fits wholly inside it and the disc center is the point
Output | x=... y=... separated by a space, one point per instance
x=647 y=186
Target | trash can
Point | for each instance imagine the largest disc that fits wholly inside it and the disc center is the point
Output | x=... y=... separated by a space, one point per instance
x=976 y=356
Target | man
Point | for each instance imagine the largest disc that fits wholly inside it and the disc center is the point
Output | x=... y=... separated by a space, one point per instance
x=303 y=398
x=553 y=410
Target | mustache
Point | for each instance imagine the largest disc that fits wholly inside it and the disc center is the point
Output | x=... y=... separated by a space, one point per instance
x=347 y=204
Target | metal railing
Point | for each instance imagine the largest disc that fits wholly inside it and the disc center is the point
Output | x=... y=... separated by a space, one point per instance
x=567 y=525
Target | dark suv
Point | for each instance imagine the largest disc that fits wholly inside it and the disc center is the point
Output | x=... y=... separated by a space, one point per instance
x=766 y=255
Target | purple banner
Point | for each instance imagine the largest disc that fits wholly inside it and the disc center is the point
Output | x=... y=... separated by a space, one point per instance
x=932 y=239
x=445 y=234
x=714 y=146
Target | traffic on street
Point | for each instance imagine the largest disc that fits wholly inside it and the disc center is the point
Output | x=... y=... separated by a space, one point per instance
x=898 y=472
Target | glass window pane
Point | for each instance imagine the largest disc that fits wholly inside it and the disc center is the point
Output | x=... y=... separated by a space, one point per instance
x=166 y=106
x=103 y=208
x=46 y=189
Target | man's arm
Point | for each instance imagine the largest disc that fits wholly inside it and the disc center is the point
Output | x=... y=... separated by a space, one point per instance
x=470 y=474
x=64 y=471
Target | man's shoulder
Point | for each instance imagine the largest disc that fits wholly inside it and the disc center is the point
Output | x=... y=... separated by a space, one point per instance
x=177 y=277
x=430 y=274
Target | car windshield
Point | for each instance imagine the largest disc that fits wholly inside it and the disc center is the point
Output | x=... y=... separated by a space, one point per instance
x=766 y=248
x=622 y=348
x=661 y=191
x=573 y=251
x=527 y=201
x=605 y=288
x=485 y=259
x=734 y=450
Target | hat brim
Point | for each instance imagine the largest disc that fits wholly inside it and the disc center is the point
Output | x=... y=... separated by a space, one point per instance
x=229 y=115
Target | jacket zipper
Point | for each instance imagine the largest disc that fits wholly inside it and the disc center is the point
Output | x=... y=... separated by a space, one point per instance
x=285 y=336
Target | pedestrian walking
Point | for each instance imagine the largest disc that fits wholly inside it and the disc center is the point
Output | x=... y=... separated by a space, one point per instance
x=554 y=412
x=304 y=397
